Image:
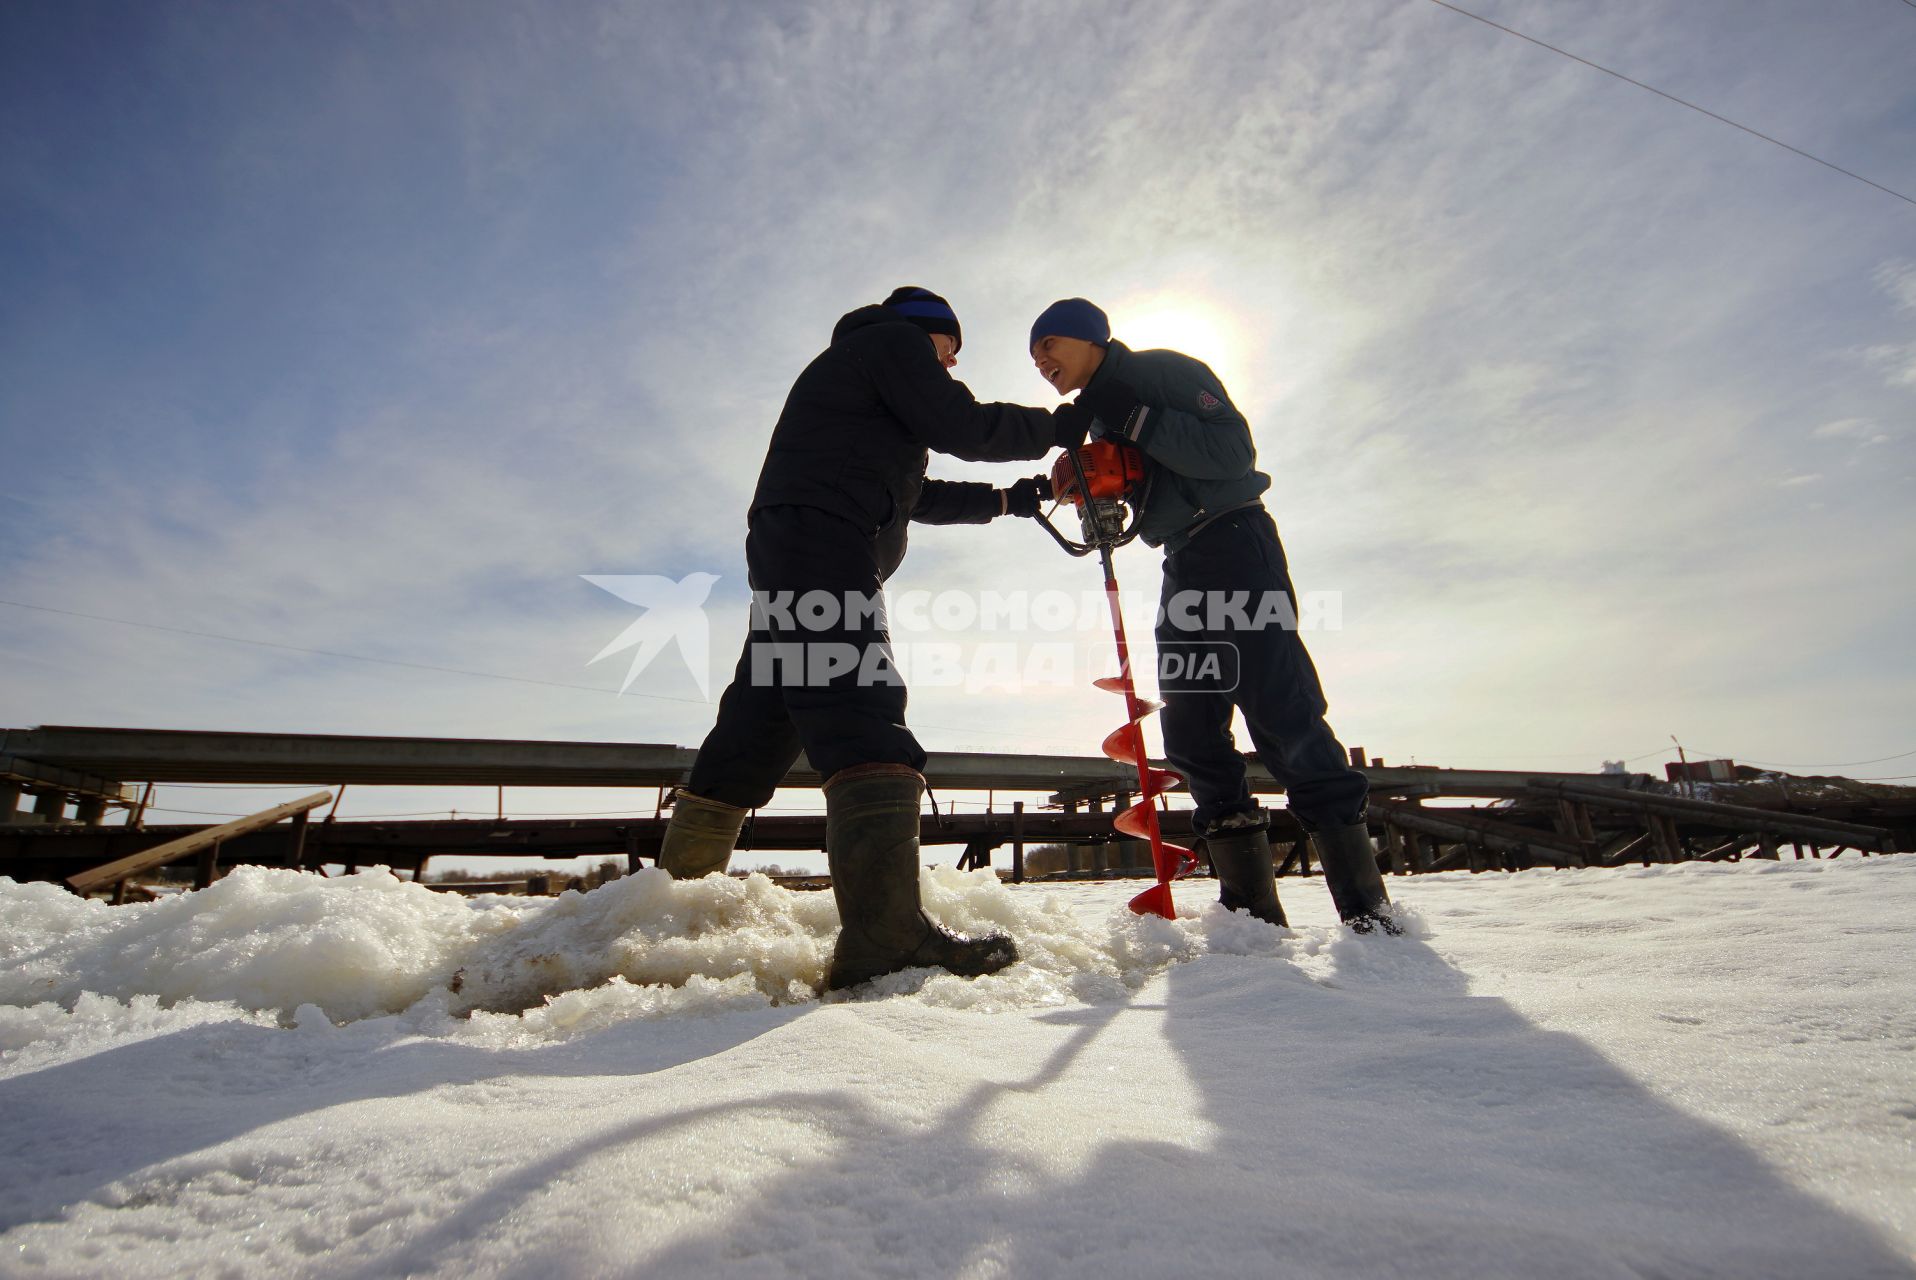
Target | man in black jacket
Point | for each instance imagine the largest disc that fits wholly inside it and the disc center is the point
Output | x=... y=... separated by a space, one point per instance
x=842 y=480
x=1226 y=631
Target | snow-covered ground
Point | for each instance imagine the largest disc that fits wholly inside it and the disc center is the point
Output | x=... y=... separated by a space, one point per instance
x=1681 y=1072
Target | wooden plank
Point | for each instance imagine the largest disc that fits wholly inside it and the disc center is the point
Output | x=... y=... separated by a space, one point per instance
x=1731 y=850
x=1664 y=837
x=1722 y=815
x=208 y=869
x=174 y=850
x=296 y=846
x=1018 y=842
x=37 y=776
x=977 y=854
x=1296 y=859
x=1492 y=834
x=1573 y=822
x=1637 y=846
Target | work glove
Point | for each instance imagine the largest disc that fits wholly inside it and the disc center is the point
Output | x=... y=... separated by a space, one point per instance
x=1070 y=422
x=1113 y=403
x=1025 y=497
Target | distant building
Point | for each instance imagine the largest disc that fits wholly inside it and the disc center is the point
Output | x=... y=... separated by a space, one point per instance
x=1701 y=771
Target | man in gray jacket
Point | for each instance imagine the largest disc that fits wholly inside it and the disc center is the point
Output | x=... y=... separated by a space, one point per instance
x=1226 y=629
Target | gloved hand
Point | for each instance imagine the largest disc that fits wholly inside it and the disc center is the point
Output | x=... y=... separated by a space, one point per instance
x=1071 y=421
x=1025 y=497
x=1113 y=403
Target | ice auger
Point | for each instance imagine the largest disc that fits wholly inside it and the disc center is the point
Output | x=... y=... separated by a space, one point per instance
x=1101 y=479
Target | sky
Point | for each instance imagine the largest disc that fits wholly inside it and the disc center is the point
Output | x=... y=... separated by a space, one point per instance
x=372 y=328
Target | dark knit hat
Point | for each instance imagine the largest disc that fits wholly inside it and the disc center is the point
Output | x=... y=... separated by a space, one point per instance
x=926 y=310
x=1071 y=318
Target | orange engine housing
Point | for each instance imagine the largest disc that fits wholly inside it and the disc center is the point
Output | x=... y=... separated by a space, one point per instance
x=1111 y=470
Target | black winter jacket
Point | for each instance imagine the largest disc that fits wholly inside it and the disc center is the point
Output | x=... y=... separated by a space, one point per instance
x=858 y=425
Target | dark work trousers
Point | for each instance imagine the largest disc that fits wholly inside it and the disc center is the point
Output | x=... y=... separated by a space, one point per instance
x=1264 y=670
x=784 y=696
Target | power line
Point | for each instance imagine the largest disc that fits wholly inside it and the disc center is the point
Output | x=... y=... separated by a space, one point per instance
x=1681 y=102
x=1567 y=755
x=1827 y=764
x=1660 y=751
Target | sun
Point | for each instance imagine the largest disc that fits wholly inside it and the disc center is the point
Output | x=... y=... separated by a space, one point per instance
x=1194 y=326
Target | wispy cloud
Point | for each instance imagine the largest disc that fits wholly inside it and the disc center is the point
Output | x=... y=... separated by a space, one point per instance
x=1897 y=278
x=1897 y=360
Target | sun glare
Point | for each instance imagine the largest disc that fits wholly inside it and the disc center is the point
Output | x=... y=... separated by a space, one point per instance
x=1195 y=328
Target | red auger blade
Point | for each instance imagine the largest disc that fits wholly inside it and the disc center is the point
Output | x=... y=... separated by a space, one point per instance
x=1164 y=780
x=1125 y=745
x=1122 y=684
x=1155 y=901
x=1137 y=821
x=1182 y=862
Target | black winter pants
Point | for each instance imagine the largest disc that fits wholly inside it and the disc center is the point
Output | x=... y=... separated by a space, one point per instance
x=806 y=681
x=1212 y=656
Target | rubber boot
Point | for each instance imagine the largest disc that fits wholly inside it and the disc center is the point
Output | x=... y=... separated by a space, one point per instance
x=1246 y=880
x=871 y=840
x=1349 y=860
x=699 y=838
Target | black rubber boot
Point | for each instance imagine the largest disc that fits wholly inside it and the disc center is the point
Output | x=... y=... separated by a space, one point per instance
x=1246 y=879
x=699 y=838
x=1349 y=860
x=871 y=840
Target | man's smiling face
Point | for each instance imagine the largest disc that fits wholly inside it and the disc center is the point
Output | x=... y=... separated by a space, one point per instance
x=1066 y=363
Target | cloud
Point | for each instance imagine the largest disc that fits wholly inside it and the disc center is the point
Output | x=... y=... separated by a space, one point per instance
x=1897 y=278
x=1847 y=428
x=1897 y=360
x=1864 y=432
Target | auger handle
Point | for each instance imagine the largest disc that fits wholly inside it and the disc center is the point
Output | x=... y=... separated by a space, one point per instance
x=1070 y=548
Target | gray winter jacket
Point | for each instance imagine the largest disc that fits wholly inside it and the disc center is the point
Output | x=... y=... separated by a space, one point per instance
x=1198 y=455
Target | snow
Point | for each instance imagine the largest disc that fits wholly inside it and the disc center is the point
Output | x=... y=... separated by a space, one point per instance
x=1701 y=1070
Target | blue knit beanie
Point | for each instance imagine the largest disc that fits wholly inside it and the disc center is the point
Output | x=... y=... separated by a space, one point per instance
x=1071 y=318
x=926 y=310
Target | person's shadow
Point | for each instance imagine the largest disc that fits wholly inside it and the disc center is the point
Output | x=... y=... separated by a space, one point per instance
x=1328 y=1105
x=1347 y=1112
x=73 y=1128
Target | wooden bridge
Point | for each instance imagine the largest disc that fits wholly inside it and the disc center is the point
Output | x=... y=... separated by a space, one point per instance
x=1420 y=814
